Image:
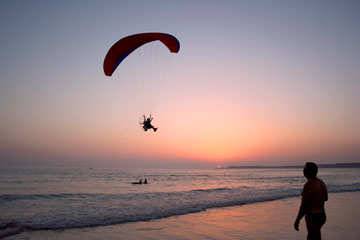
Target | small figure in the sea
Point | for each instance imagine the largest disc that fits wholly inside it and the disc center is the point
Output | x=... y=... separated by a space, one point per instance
x=139 y=182
x=145 y=181
x=147 y=123
x=314 y=195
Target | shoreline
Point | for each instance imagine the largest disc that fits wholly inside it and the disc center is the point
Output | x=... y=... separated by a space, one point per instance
x=326 y=165
x=263 y=220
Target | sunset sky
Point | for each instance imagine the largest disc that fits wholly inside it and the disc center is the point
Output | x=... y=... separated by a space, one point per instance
x=254 y=83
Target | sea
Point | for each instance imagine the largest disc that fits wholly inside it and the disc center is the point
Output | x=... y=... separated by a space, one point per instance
x=51 y=199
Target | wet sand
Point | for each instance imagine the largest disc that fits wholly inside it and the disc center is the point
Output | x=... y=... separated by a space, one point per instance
x=269 y=220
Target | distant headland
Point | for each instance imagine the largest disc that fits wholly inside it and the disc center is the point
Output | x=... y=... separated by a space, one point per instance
x=336 y=165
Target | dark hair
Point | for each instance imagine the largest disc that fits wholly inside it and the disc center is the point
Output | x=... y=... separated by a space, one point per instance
x=311 y=169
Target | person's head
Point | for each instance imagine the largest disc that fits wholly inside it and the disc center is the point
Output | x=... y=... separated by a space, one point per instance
x=310 y=170
x=148 y=119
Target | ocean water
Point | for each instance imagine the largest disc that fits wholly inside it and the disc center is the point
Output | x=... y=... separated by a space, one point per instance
x=70 y=198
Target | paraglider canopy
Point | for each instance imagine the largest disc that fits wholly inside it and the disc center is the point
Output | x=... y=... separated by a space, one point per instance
x=121 y=49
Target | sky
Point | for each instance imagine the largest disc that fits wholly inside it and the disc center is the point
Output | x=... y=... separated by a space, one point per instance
x=254 y=83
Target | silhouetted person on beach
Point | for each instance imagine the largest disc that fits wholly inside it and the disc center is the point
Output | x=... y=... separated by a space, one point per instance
x=145 y=181
x=314 y=195
x=147 y=124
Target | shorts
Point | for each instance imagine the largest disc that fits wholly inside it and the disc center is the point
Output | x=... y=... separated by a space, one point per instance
x=318 y=218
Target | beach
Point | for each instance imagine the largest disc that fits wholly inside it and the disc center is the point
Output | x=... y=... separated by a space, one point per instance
x=265 y=220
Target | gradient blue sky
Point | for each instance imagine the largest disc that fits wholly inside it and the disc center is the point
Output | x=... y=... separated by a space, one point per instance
x=255 y=82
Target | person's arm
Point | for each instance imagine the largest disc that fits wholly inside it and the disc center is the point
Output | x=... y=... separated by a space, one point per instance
x=325 y=192
x=300 y=215
x=303 y=206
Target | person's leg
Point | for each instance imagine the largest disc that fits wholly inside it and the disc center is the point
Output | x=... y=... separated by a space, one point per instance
x=313 y=228
x=153 y=128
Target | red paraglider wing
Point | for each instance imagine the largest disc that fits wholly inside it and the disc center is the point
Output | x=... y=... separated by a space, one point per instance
x=120 y=50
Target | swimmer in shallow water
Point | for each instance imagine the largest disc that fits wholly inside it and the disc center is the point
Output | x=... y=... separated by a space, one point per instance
x=139 y=182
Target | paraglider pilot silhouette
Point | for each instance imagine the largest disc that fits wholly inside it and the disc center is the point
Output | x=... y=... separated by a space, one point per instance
x=147 y=123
